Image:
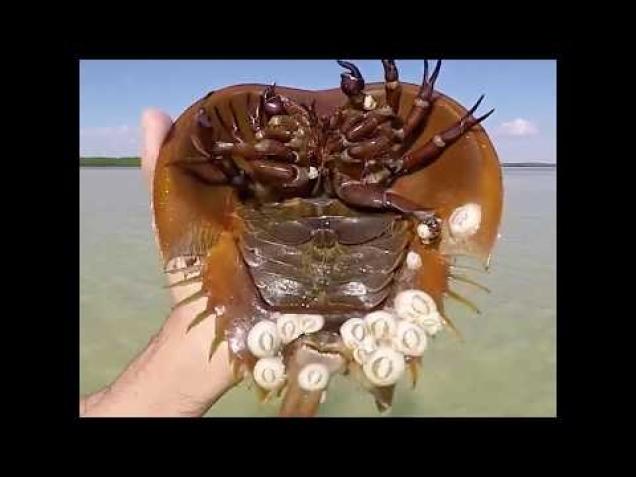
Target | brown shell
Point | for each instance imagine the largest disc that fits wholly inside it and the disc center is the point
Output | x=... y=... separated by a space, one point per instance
x=194 y=218
x=469 y=171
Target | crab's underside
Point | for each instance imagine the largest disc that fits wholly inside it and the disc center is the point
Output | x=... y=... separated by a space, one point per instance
x=324 y=226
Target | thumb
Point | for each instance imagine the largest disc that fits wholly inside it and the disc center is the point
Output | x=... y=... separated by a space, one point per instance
x=155 y=125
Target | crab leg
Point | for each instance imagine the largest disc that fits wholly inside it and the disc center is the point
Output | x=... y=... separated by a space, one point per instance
x=423 y=103
x=196 y=142
x=254 y=119
x=271 y=104
x=275 y=133
x=276 y=173
x=232 y=131
x=354 y=131
x=335 y=120
x=376 y=196
x=351 y=117
x=271 y=171
x=396 y=135
x=261 y=110
x=266 y=147
x=203 y=119
x=333 y=145
x=392 y=85
x=201 y=166
x=370 y=148
x=352 y=84
x=262 y=130
x=430 y=151
x=270 y=140
x=258 y=166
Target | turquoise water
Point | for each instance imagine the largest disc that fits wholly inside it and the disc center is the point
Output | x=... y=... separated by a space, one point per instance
x=506 y=365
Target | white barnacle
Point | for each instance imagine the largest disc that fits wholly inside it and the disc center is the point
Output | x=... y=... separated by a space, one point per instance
x=353 y=332
x=438 y=141
x=424 y=232
x=354 y=289
x=364 y=350
x=369 y=103
x=313 y=377
x=465 y=220
x=269 y=373
x=413 y=261
x=421 y=103
x=413 y=305
x=289 y=327
x=381 y=324
x=431 y=323
x=384 y=367
x=311 y=323
x=263 y=340
x=409 y=339
x=313 y=172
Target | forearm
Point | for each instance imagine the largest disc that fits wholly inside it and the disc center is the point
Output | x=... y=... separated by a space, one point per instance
x=171 y=377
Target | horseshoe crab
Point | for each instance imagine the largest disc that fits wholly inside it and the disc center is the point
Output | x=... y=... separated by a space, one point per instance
x=324 y=226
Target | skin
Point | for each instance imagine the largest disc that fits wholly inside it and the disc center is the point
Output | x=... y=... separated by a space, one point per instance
x=171 y=377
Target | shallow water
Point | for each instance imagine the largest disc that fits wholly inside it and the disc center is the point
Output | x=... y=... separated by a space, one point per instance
x=506 y=365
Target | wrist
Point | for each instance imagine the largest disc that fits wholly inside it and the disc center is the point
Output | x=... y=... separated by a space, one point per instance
x=173 y=375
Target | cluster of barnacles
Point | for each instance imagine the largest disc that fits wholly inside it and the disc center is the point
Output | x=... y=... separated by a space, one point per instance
x=381 y=342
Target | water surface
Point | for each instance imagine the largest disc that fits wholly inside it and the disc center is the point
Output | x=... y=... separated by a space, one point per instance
x=505 y=367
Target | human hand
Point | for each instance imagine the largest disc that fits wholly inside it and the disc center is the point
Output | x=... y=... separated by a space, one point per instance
x=172 y=376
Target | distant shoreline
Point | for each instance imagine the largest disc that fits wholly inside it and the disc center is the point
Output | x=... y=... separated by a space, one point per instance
x=136 y=162
x=550 y=165
x=110 y=162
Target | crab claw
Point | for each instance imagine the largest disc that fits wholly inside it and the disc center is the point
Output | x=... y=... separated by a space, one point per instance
x=352 y=83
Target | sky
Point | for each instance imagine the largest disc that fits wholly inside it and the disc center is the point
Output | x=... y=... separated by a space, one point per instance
x=114 y=93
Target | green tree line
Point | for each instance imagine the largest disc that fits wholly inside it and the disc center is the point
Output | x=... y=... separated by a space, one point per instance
x=110 y=162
